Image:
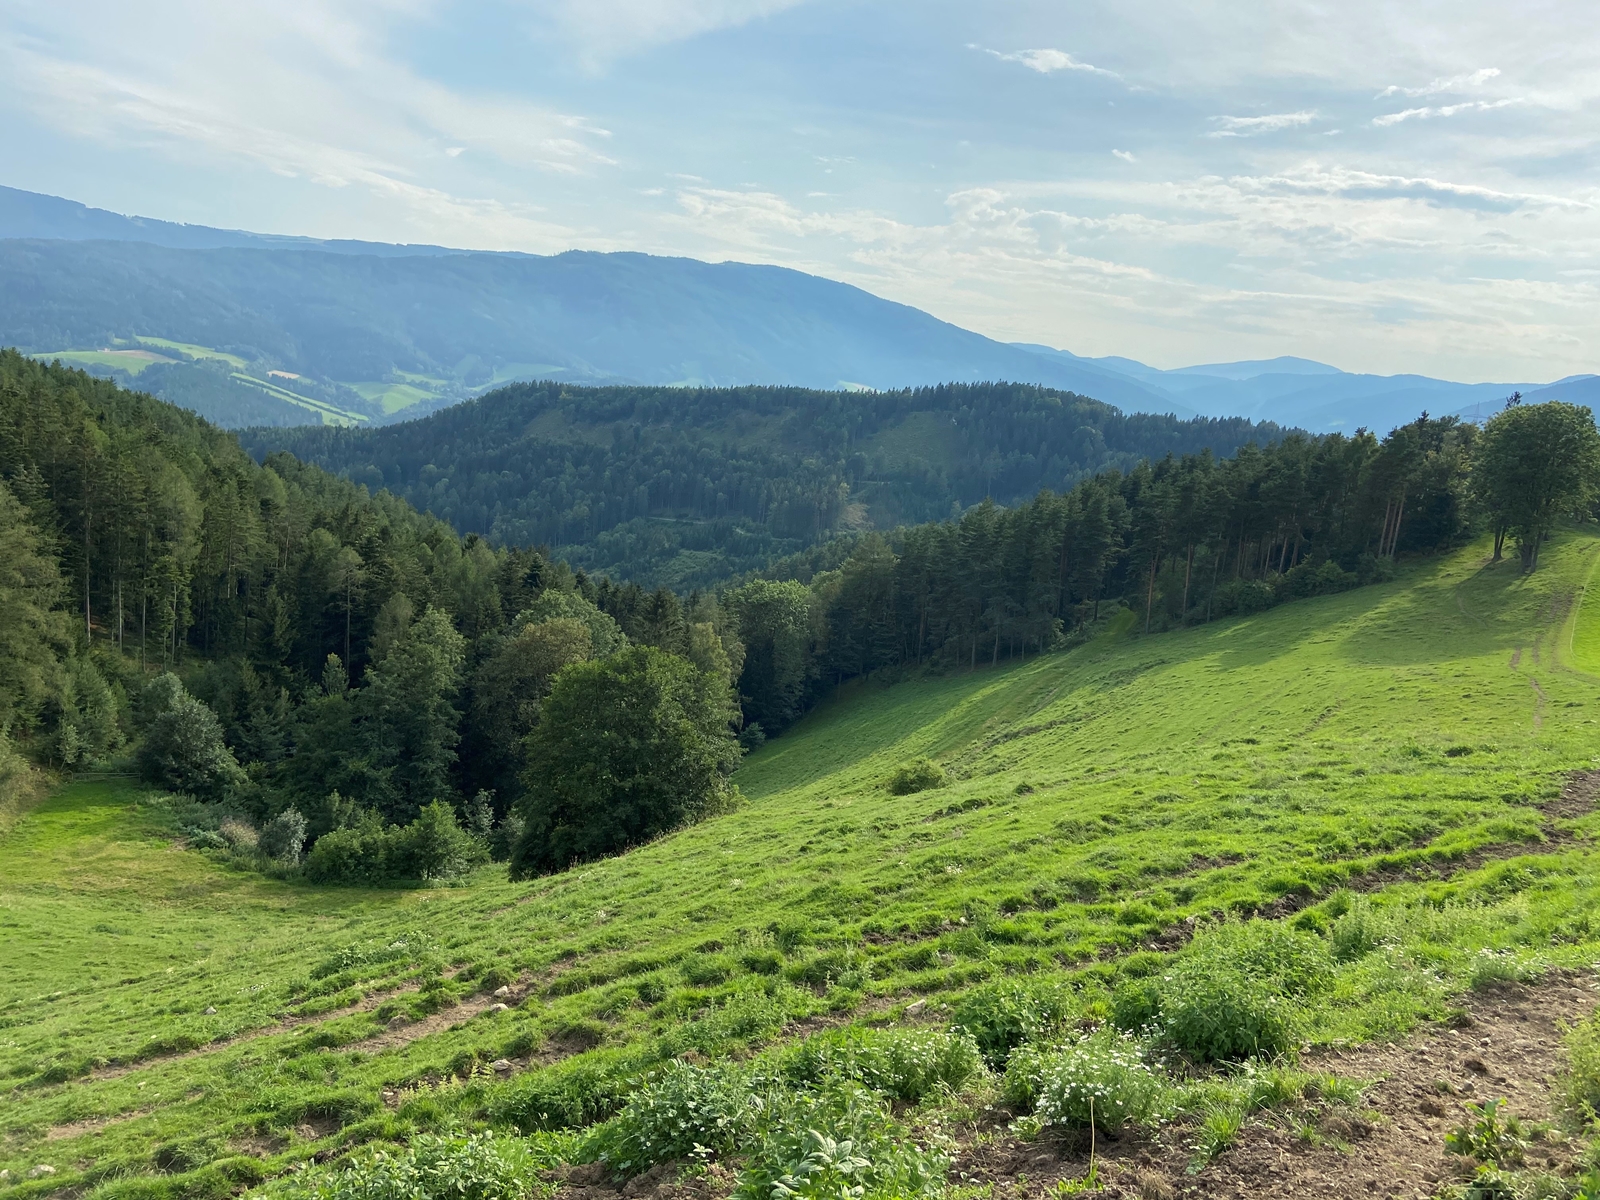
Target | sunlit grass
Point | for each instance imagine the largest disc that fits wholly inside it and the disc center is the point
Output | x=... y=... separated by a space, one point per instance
x=1096 y=797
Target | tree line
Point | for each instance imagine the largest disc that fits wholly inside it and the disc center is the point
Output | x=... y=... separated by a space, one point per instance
x=1179 y=541
x=340 y=669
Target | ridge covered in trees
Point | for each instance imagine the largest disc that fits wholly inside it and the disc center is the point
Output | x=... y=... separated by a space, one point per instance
x=333 y=666
x=688 y=486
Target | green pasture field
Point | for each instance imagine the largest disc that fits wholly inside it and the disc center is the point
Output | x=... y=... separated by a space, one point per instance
x=131 y=361
x=330 y=414
x=1413 y=734
x=194 y=351
x=393 y=396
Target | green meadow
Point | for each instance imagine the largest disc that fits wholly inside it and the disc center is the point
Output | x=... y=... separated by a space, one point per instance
x=174 y=1024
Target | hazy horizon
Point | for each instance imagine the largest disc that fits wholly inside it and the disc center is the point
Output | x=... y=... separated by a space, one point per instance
x=1387 y=190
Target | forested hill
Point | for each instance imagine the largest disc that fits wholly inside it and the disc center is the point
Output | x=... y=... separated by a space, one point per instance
x=688 y=486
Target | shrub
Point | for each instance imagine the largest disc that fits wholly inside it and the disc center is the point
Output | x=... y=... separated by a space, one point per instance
x=902 y=1064
x=282 y=837
x=1215 y=1013
x=239 y=834
x=433 y=848
x=1101 y=1079
x=838 y=1142
x=355 y=856
x=684 y=1110
x=479 y=1167
x=1243 y=597
x=1001 y=1016
x=1322 y=580
x=918 y=775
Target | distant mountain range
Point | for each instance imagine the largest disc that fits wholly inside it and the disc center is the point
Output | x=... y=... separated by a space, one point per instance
x=252 y=329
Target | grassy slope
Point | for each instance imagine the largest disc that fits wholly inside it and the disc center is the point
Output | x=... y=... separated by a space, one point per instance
x=1218 y=768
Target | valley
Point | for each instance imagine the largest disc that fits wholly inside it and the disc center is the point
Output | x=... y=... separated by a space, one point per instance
x=174 y=1025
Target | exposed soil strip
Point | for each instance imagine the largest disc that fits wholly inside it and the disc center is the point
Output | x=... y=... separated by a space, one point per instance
x=367 y=1003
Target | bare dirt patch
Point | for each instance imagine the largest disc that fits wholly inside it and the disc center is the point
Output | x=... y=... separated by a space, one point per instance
x=667 y=1181
x=1508 y=1045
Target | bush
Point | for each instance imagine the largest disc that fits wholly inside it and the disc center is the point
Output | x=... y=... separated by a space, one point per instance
x=282 y=837
x=1232 y=993
x=1242 y=597
x=918 y=775
x=480 y=1167
x=239 y=834
x=1214 y=1013
x=1001 y=1016
x=433 y=848
x=838 y=1142
x=1325 y=579
x=902 y=1064
x=682 y=1111
x=1101 y=1079
x=355 y=856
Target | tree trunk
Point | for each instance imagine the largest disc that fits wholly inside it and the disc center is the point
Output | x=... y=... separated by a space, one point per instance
x=1499 y=543
x=1150 y=596
x=88 y=542
x=1188 y=570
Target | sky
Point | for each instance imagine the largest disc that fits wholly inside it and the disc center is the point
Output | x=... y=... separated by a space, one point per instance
x=1401 y=186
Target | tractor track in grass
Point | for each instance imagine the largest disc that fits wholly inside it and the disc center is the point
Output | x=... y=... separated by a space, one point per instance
x=284 y=1025
x=1576 y=799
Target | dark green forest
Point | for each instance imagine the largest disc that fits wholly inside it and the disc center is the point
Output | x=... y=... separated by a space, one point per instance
x=334 y=668
x=685 y=487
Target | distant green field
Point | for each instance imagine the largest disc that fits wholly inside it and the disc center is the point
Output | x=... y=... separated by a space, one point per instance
x=330 y=414
x=1406 y=732
x=393 y=396
x=131 y=361
x=194 y=351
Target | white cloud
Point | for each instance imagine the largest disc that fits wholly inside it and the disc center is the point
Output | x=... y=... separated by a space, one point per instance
x=1045 y=61
x=1456 y=83
x=1124 y=155
x=1309 y=254
x=1447 y=110
x=607 y=29
x=1253 y=126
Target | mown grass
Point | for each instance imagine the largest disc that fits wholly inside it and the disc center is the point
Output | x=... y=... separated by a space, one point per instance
x=1097 y=798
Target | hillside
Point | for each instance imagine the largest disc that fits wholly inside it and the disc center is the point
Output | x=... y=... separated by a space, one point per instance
x=689 y=486
x=175 y=1026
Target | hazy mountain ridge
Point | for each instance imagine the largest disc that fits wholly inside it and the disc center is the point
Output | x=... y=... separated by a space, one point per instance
x=375 y=332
